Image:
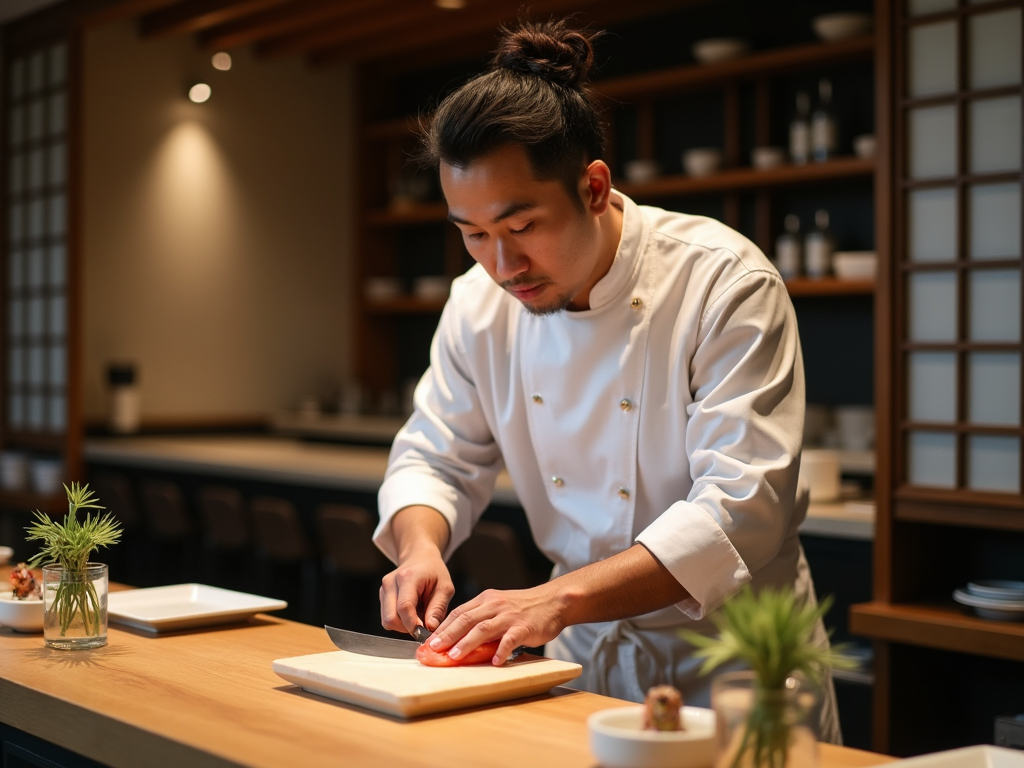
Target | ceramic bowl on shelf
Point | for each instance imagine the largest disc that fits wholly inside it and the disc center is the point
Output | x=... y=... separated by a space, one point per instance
x=432 y=287
x=6 y=553
x=987 y=608
x=642 y=170
x=618 y=739
x=832 y=27
x=702 y=161
x=21 y=615
x=855 y=265
x=381 y=288
x=997 y=589
x=715 y=49
x=864 y=146
x=764 y=158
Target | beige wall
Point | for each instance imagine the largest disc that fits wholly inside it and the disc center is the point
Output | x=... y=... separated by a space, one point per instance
x=217 y=237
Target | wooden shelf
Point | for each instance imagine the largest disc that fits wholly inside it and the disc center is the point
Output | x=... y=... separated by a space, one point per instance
x=757 y=65
x=940 y=624
x=29 y=501
x=733 y=179
x=405 y=305
x=422 y=213
x=830 y=286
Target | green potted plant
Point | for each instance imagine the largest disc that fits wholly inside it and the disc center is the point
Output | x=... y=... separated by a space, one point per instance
x=74 y=589
x=767 y=715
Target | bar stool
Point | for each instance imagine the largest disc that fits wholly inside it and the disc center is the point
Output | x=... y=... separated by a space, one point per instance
x=492 y=559
x=170 y=529
x=127 y=561
x=227 y=541
x=352 y=561
x=283 y=550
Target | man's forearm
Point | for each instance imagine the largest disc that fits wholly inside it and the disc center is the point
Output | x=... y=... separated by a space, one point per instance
x=628 y=584
x=416 y=527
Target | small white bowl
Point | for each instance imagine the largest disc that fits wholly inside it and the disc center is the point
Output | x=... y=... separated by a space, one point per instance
x=6 y=553
x=715 y=49
x=432 y=287
x=381 y=288
x=832 y=27
x=21 y=615
x=641 y=171
x=855 y=265
x=764 y=158
x=618 y=739
x=864 y=146
x=702 y=161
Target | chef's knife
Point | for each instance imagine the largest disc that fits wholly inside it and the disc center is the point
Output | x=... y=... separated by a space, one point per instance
x=385 y=647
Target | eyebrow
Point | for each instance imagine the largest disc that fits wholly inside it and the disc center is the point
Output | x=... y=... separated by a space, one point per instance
x=510 y=210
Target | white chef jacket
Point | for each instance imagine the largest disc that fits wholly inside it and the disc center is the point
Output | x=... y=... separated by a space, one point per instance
x=670 y=413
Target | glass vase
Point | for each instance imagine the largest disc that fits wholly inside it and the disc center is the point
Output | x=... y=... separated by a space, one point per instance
x=765 y=728
x=75 y=607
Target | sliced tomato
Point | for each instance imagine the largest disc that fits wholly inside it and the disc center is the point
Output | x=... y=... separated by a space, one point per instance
x=480 y=655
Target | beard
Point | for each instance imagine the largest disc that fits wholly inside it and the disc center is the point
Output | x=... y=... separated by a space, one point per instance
x=551 y=307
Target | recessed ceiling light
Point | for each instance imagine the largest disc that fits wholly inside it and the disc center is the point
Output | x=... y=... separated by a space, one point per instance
x=450 y=5
x=222 y=61
x=199 y=93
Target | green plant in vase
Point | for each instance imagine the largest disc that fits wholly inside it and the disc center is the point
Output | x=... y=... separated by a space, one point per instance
x=772 y=633
x=65 y=548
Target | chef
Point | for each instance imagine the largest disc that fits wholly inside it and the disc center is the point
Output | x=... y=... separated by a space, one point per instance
x=637 y=372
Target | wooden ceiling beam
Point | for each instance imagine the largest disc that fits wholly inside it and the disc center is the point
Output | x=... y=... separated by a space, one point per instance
x=124 y=9
x=376 y=24
x=282 y=21
x=456 y=25
x=196 y=15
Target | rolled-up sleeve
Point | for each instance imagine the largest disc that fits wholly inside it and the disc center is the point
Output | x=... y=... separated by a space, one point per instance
x=743 y=437
x=445 y=456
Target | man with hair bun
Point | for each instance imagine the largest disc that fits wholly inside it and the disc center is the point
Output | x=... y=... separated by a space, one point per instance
x=638 y=373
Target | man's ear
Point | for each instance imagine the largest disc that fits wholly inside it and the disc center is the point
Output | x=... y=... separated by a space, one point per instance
x=596 y=187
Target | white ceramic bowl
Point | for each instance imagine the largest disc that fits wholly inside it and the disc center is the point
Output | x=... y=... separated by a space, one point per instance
x=381 y=288
x=715 y=49
x=832 y=27
x=432 y=287
x=702 y=161
x=618 y=739
x=864 y=146
x=819 y=473
x=22 y=615
x=764 y=158
x=855 y=265
x=640 y=171
x=6 y=553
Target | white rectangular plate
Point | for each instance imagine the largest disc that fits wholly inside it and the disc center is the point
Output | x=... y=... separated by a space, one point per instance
x=182 y=606
x=406 y=688
x=967 y=757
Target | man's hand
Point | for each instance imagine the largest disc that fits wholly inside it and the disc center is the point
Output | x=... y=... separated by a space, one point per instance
x=517 y=617
x=419 y=590
x=629 y=584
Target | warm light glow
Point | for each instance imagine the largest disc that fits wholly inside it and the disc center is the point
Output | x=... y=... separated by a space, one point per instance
x=199 y=93
x=451 y=5
x=221 y=61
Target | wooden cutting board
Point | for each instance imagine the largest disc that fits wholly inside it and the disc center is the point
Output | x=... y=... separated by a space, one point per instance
x=406 y=688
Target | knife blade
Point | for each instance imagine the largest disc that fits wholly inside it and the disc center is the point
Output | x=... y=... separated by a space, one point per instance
x=385 y=647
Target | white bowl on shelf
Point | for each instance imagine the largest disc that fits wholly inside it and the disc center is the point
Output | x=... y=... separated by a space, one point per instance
x=997 y=589
x=855 y=265
x=833 y=27
x=432 y=287
x=764 y=158
x=381 y=288
x=864 y=146
x=715 y=49
x=987 y=608
x=618 y=739
x=6 y=553
x=21 y=615
x=819 y=474
x=642 y=170
x=702 y=161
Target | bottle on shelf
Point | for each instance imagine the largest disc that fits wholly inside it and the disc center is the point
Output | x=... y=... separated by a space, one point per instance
x=819 y=247
x=824 y=130
x=800 y=131
x=788 y=250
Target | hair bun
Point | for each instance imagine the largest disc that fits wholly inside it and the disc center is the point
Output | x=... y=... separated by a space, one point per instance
x=547 y=49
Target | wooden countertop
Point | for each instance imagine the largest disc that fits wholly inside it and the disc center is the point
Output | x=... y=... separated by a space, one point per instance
x=353 y=468
x=209 y=698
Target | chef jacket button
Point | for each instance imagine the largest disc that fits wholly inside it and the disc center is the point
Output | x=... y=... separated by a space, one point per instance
x=636 y=303
x=557 y=481
x=623 y=493
x=625 y=403
x=538 y=399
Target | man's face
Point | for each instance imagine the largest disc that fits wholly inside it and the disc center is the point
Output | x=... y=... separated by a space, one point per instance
x=530 y=236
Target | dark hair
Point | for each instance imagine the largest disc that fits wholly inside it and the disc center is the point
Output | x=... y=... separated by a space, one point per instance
x=535 y=95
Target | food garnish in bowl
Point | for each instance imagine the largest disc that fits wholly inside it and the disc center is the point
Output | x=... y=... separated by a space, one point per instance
x=661 y=709
x=24 y=584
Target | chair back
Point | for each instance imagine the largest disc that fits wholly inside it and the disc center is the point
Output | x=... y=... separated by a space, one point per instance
x=222 y=512
x=346 y=540
x=278 y=529
x=114 y=491
x=166 y=513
